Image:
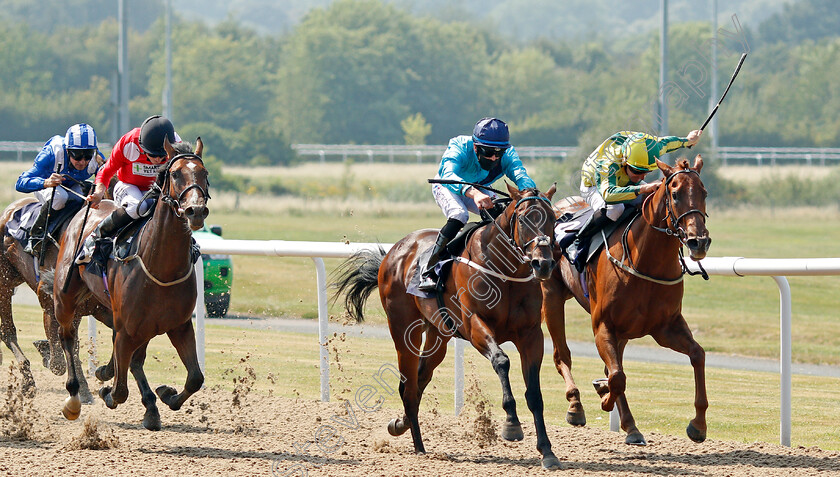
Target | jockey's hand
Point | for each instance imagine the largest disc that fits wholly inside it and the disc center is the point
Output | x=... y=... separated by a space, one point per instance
x=693 y=137
x=96 y=197
x=482 y=200
x=53 y=180
x=649 y=188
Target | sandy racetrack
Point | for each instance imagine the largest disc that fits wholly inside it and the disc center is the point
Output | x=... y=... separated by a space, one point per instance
x=219 y=432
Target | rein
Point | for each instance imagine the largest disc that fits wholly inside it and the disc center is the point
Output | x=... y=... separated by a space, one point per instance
x=175 y=204
x=673 y=229
x=539 y=240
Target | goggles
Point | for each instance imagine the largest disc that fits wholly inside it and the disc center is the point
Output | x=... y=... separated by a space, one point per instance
x=488 y=151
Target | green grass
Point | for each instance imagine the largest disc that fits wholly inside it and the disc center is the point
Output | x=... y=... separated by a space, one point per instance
x=743 y=406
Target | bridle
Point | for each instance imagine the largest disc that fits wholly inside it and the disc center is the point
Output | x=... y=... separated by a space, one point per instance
x=673 y=226
x=538 y=241
x=175 y=203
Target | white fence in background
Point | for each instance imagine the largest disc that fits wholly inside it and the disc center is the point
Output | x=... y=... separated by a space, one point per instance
x=772 y=156
x=777 y=268
x=416 y=152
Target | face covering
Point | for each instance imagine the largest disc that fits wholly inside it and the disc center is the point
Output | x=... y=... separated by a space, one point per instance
x=486 y=163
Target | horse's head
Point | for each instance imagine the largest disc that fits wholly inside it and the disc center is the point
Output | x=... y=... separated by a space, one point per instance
x=183 y=183
x=680 y=202
x=532 y=228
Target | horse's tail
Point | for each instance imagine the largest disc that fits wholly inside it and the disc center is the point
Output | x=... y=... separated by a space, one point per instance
x=356 y=278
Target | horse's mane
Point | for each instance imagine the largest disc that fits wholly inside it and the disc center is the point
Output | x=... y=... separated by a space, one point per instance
x=183 y=147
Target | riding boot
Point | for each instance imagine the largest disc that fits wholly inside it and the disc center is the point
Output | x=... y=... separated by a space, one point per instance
x=581 y=243
x=38 y=232
x=115 y=221
x=447 y=233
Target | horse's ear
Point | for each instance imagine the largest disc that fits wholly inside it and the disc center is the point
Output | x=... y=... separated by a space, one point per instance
x=698 y=163
x=199 y=146
x=513 y=191
x=170 y=151
x=665 y=168
x=550 y=192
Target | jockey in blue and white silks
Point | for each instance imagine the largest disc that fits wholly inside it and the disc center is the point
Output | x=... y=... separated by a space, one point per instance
x=75 y=155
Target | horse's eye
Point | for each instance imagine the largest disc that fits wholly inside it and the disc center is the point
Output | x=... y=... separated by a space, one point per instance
x=674 y=196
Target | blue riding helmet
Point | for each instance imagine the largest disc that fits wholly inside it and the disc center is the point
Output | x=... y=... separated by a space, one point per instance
x=491 y=132
x=80 y=136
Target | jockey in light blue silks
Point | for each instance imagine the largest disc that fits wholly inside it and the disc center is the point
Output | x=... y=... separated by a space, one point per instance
x=481 y=158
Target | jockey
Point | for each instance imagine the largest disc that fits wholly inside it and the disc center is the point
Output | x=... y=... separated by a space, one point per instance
x=613 y=175
x=135 y=159
x=71 y=155
x=481 y=158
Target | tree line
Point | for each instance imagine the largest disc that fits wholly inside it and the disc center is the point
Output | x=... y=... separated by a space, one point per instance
x=368 y=72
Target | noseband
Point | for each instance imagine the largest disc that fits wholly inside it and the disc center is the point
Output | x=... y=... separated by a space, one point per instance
x=538 y=241
x=672 y=220
x=175 y=203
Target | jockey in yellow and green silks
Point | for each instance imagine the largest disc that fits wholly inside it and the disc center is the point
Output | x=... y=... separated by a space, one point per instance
x=613 y=175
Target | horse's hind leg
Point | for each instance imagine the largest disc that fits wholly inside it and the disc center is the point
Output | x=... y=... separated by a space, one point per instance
x=124 y=347
x=50 y=349
x=183 y=339
x=8 y=333
x=151 y=418
x=434 y=351
x=84 y=391
x=530 y=348
x=555 y=320
x=67 y=333
x=678 y=337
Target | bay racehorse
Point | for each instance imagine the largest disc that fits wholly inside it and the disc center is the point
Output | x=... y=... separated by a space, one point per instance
x=491 y=296
x=633 y=288
x=18 y=267
x=150 y=292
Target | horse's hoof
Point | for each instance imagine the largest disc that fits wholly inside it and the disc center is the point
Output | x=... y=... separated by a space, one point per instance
x=166 y=395
x=577 y=419
x=151 y=421
x=395 y=428
x=601 y=386
x=635 y=439
x=695 y=434
x=43 y=347
x=72 y=408
x=551 y=462
x=101 y=374
x=105 y=394
x=512 y=432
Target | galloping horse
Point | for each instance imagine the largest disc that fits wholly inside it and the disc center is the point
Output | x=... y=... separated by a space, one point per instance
x=18 y=267
x=638 y=294
x=482 y=305
x=150 y=293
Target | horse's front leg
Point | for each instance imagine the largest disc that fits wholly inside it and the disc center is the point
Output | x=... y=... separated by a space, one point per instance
x=183 y=339
x=612 y=389
x=530 y=346
x=151 y=418
x=486 y=344
x=555 y=320
x=124 y=347
x=678 y=337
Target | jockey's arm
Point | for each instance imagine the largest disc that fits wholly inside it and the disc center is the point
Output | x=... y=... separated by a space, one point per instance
x=482 y=200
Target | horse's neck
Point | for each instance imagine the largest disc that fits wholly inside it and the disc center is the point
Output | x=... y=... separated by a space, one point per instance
x=494 y=251
x=165 y=241
x=654 y=249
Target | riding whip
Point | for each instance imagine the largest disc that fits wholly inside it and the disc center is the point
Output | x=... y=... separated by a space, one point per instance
x=731 y=80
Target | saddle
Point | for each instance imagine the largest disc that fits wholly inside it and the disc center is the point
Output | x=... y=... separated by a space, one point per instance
x=124 y=244
x=22 y=220
x=572 y=214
